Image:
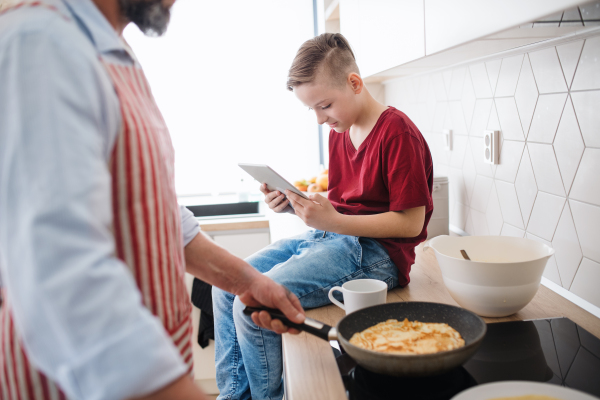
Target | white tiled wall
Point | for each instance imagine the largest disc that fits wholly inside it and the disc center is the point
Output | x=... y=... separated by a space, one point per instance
x=546 y=103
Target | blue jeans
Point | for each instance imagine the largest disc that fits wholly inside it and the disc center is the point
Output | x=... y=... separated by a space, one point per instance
x=248 y=358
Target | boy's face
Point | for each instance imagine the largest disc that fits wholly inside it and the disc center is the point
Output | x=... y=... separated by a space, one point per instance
x=334 y=106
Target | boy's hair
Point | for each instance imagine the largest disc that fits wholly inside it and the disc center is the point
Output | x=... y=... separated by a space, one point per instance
x=329 y=53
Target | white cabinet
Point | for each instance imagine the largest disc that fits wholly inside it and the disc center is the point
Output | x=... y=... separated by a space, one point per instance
x=394 y=38
x=450 y=23
x=383 y=33
x=243 y=245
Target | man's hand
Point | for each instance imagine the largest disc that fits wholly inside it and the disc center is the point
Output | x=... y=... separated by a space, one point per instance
x=263 y=291
x=276 y=200
x=318 y=212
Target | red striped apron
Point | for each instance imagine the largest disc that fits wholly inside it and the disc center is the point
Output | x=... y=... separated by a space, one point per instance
x=146 y=226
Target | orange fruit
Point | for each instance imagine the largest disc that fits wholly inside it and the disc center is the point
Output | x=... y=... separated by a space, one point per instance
x=313 y=188
x=323 y=181
x=301 y=188
x=313 y=179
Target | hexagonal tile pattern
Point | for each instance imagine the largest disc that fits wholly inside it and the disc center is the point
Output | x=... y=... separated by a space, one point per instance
x=509 y=118
x=566 y=245
x=509 y=204
x=481 y=82
x=585 y=284
x=551 y=270
x=545 y=168
x=493 y=123
x=469 y=224
x=456 y=183
x=509 y=75
x=569 y=57
x=457 y=83
x=526 y=95
x=586 y=106
x=509 y=230
x=545 y=215
x=493 y=70
x=447 y=77
x=480 y=226
x=438 y=85
x=439 y=117
x=586 y=186
x=458 y=217
x=493 y=214
x=459 y=148
x=525 y=186
x=458 y=118
x=546 y=185
x=510 y=158
x=568 y=145
x=477 y=149
x=546 y=116
x=481 y=193
x=481 y=116
x=547 y=71
x=587 y=224
x=468 y=99
x=587 y=75
x=469 y=173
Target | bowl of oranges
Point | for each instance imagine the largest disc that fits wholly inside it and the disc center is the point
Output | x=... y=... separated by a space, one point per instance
x=316 y=184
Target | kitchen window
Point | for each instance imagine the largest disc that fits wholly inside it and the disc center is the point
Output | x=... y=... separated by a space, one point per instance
x=218 y=76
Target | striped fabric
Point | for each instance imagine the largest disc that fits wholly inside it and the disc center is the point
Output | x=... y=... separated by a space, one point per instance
x=147 y=229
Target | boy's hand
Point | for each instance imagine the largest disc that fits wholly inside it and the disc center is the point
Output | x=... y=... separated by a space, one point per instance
x=318 y=212
x=276 y=200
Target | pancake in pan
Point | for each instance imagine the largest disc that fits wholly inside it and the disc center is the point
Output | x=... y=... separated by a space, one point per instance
x=408 y=337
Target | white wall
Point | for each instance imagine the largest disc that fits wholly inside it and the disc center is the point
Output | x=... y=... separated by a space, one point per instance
x=546 y=103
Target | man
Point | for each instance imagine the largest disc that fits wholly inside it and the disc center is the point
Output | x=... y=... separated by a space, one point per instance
x=93 y=245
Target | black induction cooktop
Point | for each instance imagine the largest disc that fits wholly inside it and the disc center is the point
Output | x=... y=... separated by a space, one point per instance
x=556 y=351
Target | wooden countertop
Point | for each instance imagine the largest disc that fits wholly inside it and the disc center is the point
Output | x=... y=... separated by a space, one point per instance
x=233 y=224
x=309 y=365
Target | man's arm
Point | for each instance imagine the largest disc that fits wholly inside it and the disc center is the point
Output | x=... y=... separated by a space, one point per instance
x=76 y=306
x=213 y=264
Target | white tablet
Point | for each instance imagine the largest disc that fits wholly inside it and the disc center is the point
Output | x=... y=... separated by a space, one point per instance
x=265 y=174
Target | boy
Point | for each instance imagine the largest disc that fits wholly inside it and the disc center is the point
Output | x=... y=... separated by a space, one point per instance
x=377 y=211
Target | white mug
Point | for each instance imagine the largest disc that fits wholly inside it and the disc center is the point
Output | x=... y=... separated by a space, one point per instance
x=360 y=293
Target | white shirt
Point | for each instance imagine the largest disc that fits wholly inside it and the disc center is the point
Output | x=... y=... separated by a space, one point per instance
x=76 y=306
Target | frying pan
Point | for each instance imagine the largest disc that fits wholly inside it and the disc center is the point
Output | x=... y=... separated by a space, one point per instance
x=470 y=326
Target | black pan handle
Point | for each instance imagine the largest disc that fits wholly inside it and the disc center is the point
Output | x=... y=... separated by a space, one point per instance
x=312 y=326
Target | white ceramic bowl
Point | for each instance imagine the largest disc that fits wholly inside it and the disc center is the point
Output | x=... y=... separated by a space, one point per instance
x=503 y=275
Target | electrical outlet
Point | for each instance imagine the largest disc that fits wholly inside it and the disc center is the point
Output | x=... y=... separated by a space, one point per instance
x=447 y=133
x=490 y=146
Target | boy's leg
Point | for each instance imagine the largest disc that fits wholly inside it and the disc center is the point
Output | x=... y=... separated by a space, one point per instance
x=231 y=371
x=318 y=265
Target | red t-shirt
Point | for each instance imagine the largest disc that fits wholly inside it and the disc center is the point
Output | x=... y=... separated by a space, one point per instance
x=392 y=170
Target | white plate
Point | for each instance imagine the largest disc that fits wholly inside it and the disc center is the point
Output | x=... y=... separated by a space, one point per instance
x=521 y=388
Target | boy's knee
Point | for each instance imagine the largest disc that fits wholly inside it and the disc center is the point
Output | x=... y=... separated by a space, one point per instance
x=220 y=296
x=238 y=312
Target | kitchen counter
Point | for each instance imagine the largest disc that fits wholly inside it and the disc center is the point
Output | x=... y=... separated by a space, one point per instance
x=310 y=369
x=233 y=224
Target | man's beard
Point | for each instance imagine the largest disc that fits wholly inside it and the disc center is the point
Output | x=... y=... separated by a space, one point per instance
x=151 y=16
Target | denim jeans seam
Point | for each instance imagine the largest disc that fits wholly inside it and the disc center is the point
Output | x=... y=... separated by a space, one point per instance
x=236 y=359
x=264 y=360
x=360 y=250
x=378 y=263
x=352 y=275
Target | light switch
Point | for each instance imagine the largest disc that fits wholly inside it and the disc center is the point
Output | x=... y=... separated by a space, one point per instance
x=447 y=133
x=490 y=146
